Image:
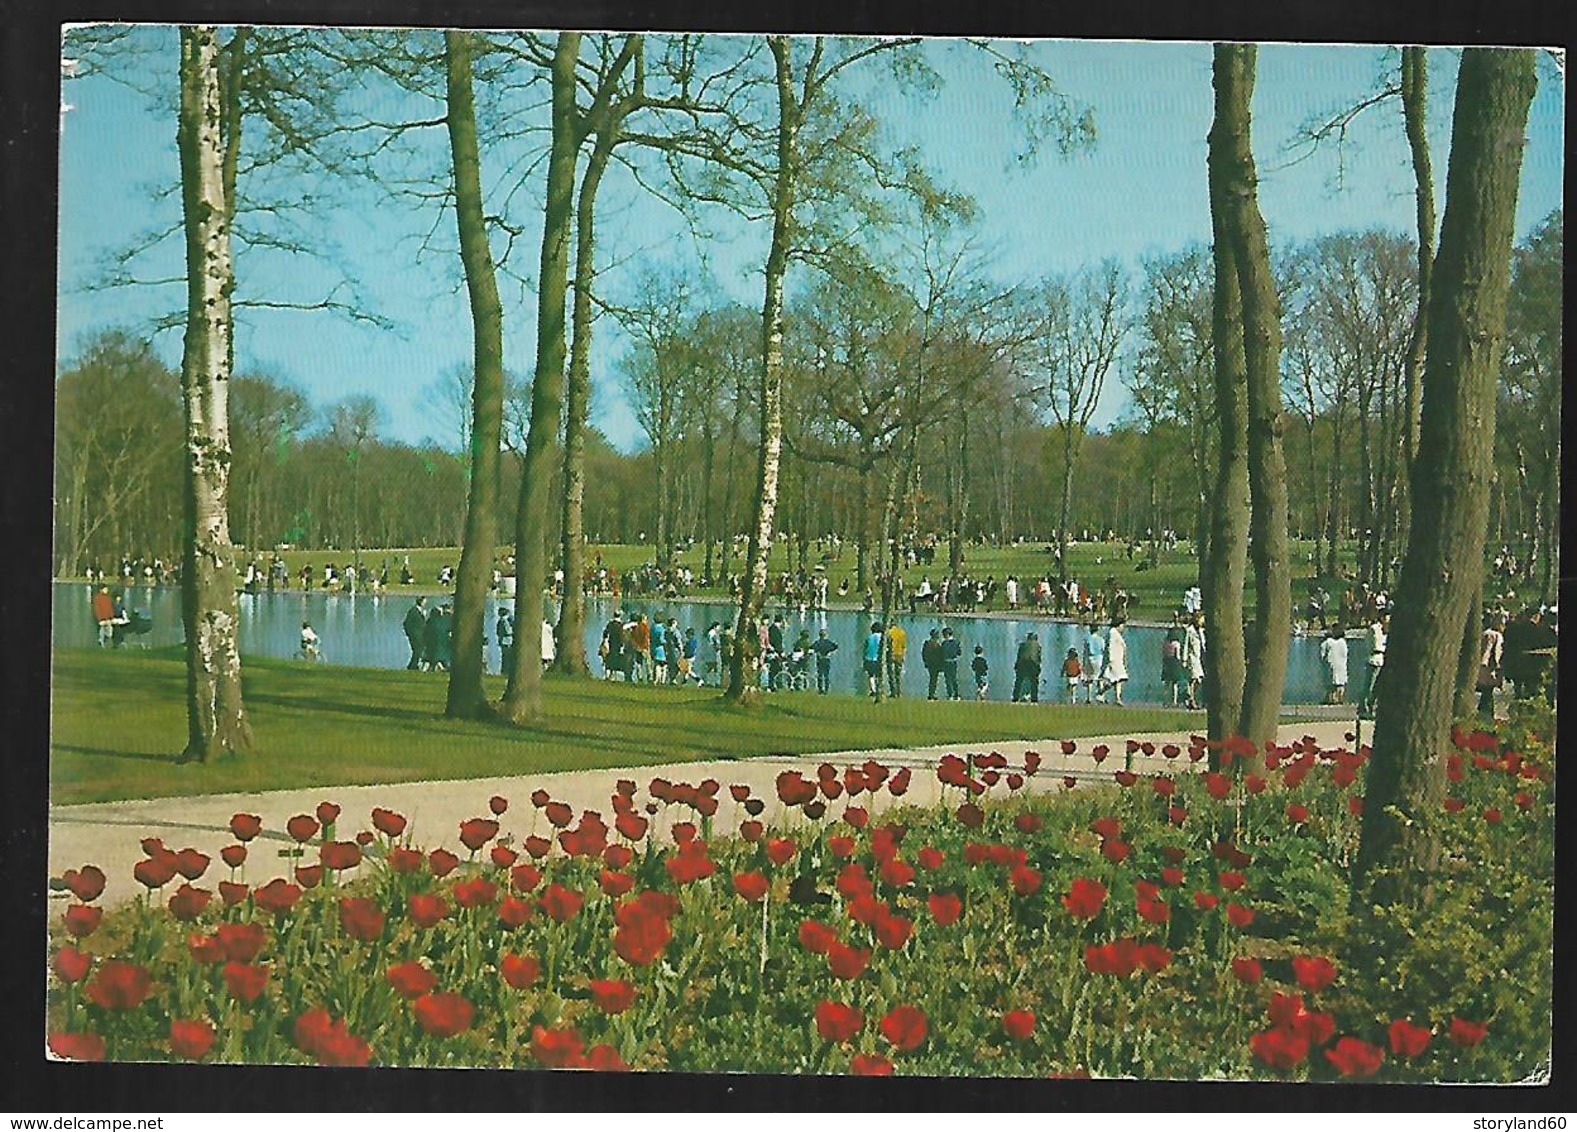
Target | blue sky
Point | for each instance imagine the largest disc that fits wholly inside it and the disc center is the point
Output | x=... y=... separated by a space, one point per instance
x=1141 y=191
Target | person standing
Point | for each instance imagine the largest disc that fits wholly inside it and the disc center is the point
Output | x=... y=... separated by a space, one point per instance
x=1094 y=665
x=504 y=629
x=1073 y=674
x=659 y=652
x=1333 y=654
x=611 y=650
x=439 y=644
x=1116 y=671
x=873 y=660
x=824 y=647
x=1173 y=675
x=1026 y=670
x=640 y=639
x=1491 y=666
x=549 y=646
x=1194 y=657
x=931 y=658
x=897 y=648
x=952 y=652
x=982 y=670
x=1371 y=689
x=104 y=614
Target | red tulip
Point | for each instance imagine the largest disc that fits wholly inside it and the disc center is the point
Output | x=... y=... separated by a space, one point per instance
x=1279 y=1048
x=277 y=896
x=191 y=864
x=360 y=918
x=816 y=937
x=245 y=981
x=641 y=936
x=971 y=816
x=614 y=883
x=77 y=1047
x=232 y=893
x=155 y=872
x=478 y=892
x=309 y=876
x=846 y=962
x=328 y=813
x=188 y=902
x=503 y=856
x=1239 y=916
x=403 y=860
x=605 y=1059
x=1019 y=1024
x=897 y=873
x=930 y=859
x=86 y=883
x=83 y=920
x=1297 y=814
x=905 y=1027
x=192 y=1039
x=441 y=862
x=612 y=996
x=1313 y=972
x=388 y=822
x=781 y=850
x=1028 y=823
x=837 y=1022
x=1467 y=1034
x=340 y=855
x=443 y=1015
x=1408 y=1040
x=1085 y=898
x=750 y=886
x=514 y=912
x=206 y=949
x=1206 y=901
x=1355 y=1058
x=241 y=942
x=425 y=910
x=1232 y=881
x=561 y=904
x=751 y=831
x=499 y=804
x=246 y=826
x=870 y=1065
x=524 y=878
x=557 y=1049
x=559 y=814
x=946 y=908
x=71 y=965
x=1247 y=971
x=477 y=832
x=1115 y=851
x=233 y=855
x=302 y=827
x=411 y=980
x=892 y=932
x=519 y=971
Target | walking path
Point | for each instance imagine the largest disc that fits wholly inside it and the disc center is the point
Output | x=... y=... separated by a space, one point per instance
x=110 y=834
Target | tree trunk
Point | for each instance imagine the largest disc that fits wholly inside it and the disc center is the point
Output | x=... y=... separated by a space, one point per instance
x=743 y=668
x=474 y=581
x=1065 y=510
x=522 y=701
x=1267 y=646
x=1415 y=114
x=862 y=528
x=1451 y=476
x=216 y=716
x=570 y=636
x=1223 y=573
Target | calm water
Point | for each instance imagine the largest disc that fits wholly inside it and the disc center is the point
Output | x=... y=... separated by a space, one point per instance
x=363 y=631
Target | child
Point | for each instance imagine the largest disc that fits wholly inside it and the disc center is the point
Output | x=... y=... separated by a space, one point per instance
x=1073 y=673
x=982 y=671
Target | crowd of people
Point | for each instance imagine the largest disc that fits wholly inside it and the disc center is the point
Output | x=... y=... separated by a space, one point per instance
x=430 y=634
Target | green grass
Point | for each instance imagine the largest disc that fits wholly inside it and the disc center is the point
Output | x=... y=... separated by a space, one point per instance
x=119 y=720
x=1156 y=591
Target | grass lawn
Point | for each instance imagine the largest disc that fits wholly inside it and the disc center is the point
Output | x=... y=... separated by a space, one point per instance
x=1156 y=591
x=119 y=719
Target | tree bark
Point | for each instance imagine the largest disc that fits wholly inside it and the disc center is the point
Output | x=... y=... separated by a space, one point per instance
x=1415 y=115
x=570 y=655
x=1443 y=567
x=522 y=701
x=1268 y=642
x=1223 y=575
x=743 y=668
x=466 y=697
x=216 y=715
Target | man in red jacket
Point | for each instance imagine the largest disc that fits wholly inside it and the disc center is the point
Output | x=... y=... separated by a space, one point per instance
x=104 y=614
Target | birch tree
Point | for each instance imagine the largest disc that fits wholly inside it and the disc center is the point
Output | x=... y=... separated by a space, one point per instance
x=216 y=715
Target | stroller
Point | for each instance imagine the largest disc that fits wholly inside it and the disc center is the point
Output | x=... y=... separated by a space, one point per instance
x=139 y=624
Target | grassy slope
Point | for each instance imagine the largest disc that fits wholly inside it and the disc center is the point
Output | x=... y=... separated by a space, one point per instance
x=119 y=718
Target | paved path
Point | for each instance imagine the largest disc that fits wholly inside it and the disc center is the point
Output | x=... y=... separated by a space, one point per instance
x=109 y=834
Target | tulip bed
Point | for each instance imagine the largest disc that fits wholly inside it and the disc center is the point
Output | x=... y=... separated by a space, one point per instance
x=1167 y=925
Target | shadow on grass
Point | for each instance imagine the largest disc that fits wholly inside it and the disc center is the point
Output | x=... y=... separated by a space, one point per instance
x=109 y=753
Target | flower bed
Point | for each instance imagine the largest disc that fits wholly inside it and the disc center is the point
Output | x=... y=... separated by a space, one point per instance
x=1169 y=926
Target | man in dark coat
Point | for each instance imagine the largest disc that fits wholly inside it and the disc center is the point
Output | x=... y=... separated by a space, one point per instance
x=1026 y=670
x=415 y=630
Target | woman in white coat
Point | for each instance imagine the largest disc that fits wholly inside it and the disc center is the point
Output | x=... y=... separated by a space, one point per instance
x=1115 y=674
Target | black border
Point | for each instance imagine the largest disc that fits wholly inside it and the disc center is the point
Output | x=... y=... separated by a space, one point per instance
x=29 y=82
